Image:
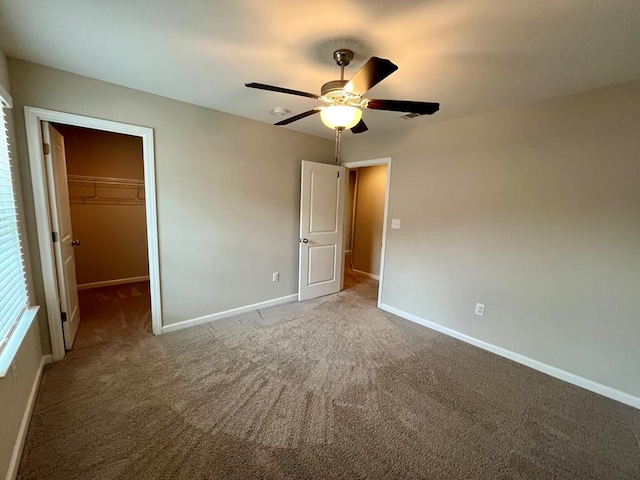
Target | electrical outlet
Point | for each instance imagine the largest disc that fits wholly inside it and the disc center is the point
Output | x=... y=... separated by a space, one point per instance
x=480 y=309
x=395 y=223
x=276 y=276
x=14 y=371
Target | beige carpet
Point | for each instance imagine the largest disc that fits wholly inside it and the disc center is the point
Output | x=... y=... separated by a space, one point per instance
x=330 y=388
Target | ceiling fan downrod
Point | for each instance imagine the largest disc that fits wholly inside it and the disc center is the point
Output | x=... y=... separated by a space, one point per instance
x=343 y=57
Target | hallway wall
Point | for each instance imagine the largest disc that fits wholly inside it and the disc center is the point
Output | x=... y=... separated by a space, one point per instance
x=369 y=219
x=349 y=203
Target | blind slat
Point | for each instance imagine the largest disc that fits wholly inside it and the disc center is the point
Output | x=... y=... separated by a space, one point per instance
x=15 y=298
x=13 y=289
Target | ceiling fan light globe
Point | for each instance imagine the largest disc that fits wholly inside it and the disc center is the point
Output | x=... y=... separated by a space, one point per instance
x=340 y=116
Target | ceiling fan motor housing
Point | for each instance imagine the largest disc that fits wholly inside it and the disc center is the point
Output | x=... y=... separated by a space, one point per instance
x=334 y=92
x=343 y=57
x=330 y=89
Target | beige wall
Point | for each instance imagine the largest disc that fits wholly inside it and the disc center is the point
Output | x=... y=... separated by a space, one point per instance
x=533 y=212
x=113 y=236
x=102 y=154
x=4 y=73
x=228 y=189
x=113 y=242
x=14 y=396
x=348 y=207
x=369 y=219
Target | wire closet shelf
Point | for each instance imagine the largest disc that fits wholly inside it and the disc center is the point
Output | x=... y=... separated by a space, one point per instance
x=105 y=190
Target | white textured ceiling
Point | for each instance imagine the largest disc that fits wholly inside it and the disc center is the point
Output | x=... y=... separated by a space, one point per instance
x=472 y=56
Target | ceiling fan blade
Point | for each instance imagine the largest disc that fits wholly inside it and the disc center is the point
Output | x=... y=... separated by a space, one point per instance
x=360 y=127
x=421 y=108
x=298 y=117
x=373 y=72
x=262 y=86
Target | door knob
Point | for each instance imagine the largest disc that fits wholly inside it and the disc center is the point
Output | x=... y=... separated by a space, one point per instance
x=304 y=240
x=75 y=243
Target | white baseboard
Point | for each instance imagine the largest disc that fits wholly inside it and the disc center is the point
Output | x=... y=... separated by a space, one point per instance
x=109 y=283
x=367 y=274
x=26 y=418
x=572 y=378
x=228 y=313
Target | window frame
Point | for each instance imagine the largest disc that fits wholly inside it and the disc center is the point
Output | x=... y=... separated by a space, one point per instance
x=21 y=326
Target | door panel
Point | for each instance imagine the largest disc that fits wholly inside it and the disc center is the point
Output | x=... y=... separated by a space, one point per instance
x=324 y=194
x=72 y=293
x=321 y=232
x=322 y=264
x=56 y=167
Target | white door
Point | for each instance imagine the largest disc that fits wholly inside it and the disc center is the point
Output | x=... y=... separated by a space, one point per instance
x=321 y=231
x=62 y=236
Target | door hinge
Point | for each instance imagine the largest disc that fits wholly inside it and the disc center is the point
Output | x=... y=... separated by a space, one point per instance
x=54 y=237
x=338 y=174
x=63 y=316
x=46 y=148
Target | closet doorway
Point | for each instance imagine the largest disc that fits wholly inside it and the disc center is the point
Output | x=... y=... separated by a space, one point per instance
x=365 y=225
x=94 y=193
x=106 y=197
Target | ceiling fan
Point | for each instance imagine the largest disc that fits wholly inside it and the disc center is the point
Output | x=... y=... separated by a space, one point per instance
x=344 y=98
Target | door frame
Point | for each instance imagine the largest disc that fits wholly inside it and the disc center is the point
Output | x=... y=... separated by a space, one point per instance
x=33 y=118
x=383 y=251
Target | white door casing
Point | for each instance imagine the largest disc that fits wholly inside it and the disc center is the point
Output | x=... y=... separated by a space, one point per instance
x=56 y=167
x=321 y=230
x=33 y=117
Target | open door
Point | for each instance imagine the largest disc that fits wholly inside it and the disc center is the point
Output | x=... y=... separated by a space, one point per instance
x=321 y=230
x=62 y=235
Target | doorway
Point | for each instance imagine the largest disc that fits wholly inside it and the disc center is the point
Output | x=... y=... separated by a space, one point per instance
x=104 y=174
x=365 y=222
x=89 y=186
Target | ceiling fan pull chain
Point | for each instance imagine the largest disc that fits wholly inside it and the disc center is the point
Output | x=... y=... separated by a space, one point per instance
x=338 y=142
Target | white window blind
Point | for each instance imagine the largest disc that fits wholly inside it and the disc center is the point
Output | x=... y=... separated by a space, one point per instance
x=13 y=288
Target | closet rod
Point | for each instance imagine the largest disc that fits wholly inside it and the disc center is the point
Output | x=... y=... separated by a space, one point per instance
x=111 y=180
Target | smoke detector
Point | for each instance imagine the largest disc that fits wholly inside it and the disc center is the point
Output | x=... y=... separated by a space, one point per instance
x=280 y=111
